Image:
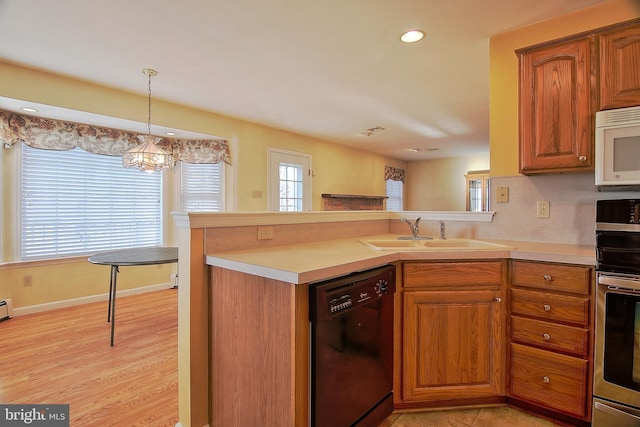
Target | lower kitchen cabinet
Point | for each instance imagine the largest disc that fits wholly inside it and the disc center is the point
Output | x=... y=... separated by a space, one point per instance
x=549 y=379
x=454 y=320
x=551 y=336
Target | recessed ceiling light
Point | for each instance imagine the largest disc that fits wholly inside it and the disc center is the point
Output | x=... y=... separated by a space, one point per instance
x=29 y=109
x=170 y=133
x=412 y=36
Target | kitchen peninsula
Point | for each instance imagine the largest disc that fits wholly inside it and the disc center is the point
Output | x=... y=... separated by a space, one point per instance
x=243 y=300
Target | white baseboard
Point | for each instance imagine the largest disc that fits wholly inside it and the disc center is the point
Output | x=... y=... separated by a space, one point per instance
x=85 y=300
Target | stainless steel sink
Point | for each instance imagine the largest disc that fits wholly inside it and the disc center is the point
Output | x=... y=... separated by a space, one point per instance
x=450 y=244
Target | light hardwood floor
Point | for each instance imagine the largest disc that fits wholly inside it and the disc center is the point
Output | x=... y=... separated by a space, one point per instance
x=64 y=356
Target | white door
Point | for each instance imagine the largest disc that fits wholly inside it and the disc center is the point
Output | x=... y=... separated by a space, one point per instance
x=289 y=181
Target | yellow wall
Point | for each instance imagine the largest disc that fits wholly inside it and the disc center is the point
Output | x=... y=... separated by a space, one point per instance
x=440 y=184
x=504 y=71
x=338 y=169
x=59 y=281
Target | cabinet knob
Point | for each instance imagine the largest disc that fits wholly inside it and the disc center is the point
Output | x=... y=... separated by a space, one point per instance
x=547 y=277
x=546 y=337
x=546 y=379
x=582 y=158
x=546 y=307
x=497 y=299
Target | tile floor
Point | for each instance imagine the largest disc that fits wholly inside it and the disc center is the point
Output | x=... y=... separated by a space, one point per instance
x=502 y=416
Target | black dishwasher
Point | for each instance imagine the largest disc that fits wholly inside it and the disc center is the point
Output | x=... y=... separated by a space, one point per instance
x=352 y=349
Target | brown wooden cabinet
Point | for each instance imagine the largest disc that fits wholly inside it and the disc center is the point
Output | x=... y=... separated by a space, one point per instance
x=557 y=101
x=563 y=83
x=620 y=66
x=551 y=336
x=454 y=320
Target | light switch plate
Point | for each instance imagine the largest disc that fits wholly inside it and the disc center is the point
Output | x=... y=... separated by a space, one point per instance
x=502 y=195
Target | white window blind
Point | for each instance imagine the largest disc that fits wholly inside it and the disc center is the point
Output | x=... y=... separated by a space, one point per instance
x=202 y=187
x=394 y=195
x=77 y=203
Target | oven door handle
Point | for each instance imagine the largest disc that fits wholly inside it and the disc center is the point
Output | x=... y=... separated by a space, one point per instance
x=613 y=411
x=619 y=283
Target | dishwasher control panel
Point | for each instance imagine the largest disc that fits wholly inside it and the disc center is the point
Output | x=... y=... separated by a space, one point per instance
x=337 y=296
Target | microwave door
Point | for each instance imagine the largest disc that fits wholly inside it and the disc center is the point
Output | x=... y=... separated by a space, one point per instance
x=620 y=151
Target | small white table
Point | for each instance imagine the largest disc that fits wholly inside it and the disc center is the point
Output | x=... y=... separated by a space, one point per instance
x=134 y=256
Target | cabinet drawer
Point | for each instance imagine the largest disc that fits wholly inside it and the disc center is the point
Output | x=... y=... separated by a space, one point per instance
x=550 y=336
x=453 y=274
x=554 y=381
x=565 y=278
x=552 y=307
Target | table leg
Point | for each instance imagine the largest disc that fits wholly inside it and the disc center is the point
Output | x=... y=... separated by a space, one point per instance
x=112 y=299
x=113 y=273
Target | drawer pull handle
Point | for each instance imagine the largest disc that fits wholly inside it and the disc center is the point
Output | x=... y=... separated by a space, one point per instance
x=547 y=277
x=546 y=307
x=546 y=379
x=546 y=337
x=497 y=299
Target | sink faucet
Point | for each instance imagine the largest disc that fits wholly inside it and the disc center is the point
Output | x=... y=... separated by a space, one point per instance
x=413 y=226
x=442 y=231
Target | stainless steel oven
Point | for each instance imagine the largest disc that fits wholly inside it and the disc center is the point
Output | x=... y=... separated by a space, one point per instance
x=617 y=347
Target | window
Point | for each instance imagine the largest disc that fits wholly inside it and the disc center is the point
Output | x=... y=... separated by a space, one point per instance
x=290 y=194
x=478 y=191
x=394 y=195
x=75 y=203
x=201 y=187
x=289 y=183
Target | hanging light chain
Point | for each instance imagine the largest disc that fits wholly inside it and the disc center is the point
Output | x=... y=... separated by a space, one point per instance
x=149 y=72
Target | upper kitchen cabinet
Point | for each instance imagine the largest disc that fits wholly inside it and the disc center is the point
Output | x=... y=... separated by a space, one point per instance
x=557 y=100
x=620 y=66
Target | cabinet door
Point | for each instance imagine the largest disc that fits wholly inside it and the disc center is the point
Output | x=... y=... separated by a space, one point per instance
x=453 y=345
x=620 y=67
x=556 y=107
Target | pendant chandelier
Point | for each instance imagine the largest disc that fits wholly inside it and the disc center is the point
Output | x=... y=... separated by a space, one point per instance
x=147 y=156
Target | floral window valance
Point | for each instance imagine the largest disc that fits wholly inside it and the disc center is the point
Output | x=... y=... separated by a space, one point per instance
x=51 y=134
x=394 y=174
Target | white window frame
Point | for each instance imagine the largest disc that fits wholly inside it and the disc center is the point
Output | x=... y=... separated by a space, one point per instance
x=275 y=156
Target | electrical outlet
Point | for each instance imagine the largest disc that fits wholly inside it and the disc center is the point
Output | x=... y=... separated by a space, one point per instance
x=502 y=195
x=542 y=209
x=26 y=281
x=265 y=233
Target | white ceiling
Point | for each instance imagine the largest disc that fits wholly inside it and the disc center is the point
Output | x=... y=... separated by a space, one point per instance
x=326 y=68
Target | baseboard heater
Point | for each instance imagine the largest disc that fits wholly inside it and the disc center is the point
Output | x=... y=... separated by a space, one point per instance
x=6 y=307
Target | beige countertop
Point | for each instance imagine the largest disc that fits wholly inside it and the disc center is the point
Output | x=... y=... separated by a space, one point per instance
x=314 y=261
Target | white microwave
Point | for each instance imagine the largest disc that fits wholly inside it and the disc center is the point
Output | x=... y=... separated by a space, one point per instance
x=618 y=147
